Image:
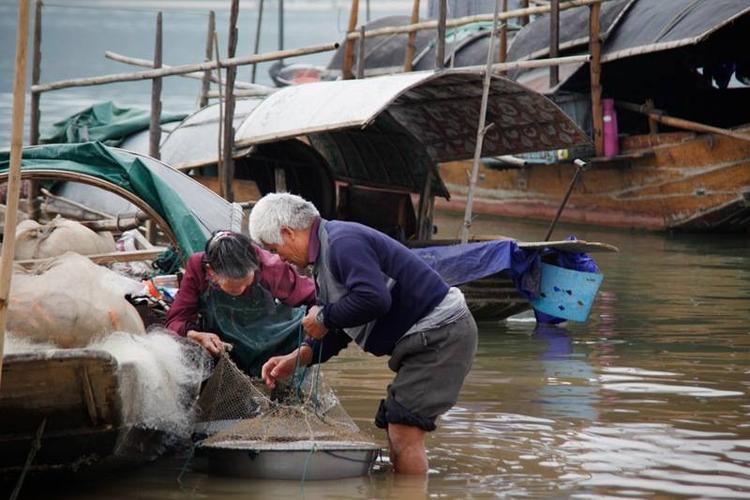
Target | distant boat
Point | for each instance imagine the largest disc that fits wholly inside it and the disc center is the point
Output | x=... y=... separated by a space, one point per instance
x=689 y=61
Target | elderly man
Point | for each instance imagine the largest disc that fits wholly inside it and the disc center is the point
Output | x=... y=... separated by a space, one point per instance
x=373 y=290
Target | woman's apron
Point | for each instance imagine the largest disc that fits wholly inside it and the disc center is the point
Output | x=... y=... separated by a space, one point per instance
x=257 y=325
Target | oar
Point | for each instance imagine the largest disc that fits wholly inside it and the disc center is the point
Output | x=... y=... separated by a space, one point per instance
x=580 y=167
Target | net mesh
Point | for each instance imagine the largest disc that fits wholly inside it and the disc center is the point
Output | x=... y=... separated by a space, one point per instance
x=235 y=407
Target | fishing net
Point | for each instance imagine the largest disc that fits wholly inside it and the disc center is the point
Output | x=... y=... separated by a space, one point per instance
x=233 y=407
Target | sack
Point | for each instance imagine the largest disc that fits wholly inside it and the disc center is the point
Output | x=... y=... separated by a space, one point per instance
x=70 y=301
x=37 y=241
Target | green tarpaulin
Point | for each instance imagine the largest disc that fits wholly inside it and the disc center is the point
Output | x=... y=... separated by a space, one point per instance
x=191 y=210
x=102 y=122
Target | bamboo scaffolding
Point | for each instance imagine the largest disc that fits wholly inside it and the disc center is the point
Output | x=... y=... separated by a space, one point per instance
x=206 y=77
x=154 y=129
x=228 y=162
x=440 y=50
x=554 y=41
x=14 y=174
x=256 y=47
x=348 y=63
x=35 y=74
x=183 y=69
x=146 y=63
x=409 y=56
x=481 y=129
x=595 y=69
x=461 y=21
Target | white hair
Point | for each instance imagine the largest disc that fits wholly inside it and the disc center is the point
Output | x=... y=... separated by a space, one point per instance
x=277 y=210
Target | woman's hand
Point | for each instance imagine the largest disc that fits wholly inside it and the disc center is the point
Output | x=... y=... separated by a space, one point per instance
x=209 y=341
x=280 y=367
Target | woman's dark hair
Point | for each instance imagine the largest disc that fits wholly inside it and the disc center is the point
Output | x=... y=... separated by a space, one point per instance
x=230 y=254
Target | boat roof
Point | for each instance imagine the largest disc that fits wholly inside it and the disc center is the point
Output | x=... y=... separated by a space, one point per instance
x=191 y=210
x=628 y=28
x=389 y=130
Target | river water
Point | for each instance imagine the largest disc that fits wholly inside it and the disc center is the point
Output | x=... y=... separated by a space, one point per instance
x=649 y=398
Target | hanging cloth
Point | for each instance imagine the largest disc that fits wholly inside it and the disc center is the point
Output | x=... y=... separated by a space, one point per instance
x=256 y=324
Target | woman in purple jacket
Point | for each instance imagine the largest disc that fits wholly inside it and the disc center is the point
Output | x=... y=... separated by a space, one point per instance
x=235 y=292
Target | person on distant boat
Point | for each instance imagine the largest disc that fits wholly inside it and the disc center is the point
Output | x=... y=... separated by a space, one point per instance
x=373 y=290
x=237 y=293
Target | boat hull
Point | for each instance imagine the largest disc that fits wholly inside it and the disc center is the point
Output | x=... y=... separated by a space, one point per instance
x=676 y=181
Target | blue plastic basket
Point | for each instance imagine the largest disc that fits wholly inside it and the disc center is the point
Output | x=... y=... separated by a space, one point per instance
x=566 y=293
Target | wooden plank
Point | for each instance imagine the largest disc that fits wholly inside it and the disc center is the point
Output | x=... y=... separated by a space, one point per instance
x=107 y=258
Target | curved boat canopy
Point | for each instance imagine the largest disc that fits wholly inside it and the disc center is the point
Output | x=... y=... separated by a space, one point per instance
x=390 y=130
x=191 y=210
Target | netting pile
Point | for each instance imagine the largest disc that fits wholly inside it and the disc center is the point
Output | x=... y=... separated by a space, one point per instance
x=303 y=408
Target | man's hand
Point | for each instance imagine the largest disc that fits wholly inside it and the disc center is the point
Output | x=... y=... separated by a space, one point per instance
x=209 y=341
x=280 y=367
x=312 y=326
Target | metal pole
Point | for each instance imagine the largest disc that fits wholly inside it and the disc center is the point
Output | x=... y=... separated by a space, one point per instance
x=14 y=175
x=257 y=36
x=481 y=130
x=580 y=166
x=440 y=51
x=281 y=24
x=154 y=130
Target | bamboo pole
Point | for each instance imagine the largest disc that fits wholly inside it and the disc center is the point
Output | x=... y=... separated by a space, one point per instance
x=412 y=39
x=461 y=21
x=154 y=129
x=596 y=71
x=348 y=63
x=281 y=25
x=256 y=47
x=554 y=41
x=367 y=11
x=35 y=74
x=524 y=18
x=206 y=78
x=681 y=123
x=229 y=105
x=34 y=112
x=147 y=63
x=481 y=130
x=653 y=125
x=183 y=69
x=440 y=50
x=220 y=157
x=361 y=54
x=503 y=52
x=14 y=174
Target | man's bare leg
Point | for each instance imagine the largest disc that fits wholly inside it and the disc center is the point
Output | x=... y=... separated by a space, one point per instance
x=406 y=449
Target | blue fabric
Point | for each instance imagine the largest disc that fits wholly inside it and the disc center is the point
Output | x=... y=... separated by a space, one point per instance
x=459 y=264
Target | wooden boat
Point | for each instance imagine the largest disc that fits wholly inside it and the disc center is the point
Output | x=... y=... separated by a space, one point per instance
x=69 y=404
x=64 y=406
x=679 y=76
